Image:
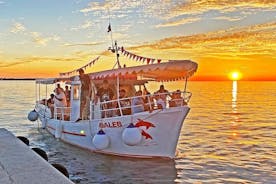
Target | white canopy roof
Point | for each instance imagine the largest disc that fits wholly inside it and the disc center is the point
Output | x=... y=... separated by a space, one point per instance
x=169 y=71
x=51 y=80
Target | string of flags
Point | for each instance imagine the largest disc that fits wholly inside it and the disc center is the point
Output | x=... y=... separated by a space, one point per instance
x=83 y=67
x=139 y=58
x=124 y=52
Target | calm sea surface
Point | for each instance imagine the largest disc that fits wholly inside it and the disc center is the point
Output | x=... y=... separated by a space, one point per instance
x=229 y=136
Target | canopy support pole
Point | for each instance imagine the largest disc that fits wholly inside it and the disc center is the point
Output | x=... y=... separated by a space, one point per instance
x=39 y=91
x=118 y=89
x=35 y=92
x=185 y=85
x=46 y=95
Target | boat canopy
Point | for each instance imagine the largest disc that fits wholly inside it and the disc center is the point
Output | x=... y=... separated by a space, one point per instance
x=51 y=80
x=172 y=70
x=169 y=71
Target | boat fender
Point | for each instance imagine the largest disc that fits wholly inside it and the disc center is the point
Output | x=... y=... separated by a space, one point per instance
x=131 y=135
x=41 y=153
x=101 y=140
x=24 y=140
x=33 y=115
x=61 y=169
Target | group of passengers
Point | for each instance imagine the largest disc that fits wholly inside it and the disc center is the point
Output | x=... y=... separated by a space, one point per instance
x=138 y=103
x=60 y=98
x=141 y=101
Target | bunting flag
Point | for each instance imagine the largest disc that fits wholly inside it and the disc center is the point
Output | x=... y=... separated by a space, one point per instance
x=139 y=58
x=83 y=67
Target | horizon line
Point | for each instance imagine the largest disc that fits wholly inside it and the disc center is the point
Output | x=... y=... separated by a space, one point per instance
x=194 y=80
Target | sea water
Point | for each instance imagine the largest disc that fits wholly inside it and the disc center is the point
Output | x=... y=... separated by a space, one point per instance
x=229 y=136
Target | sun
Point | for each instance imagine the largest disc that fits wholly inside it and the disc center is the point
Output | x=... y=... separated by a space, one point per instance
x=235 y=75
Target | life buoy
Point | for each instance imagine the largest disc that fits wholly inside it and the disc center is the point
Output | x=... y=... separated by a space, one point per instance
x=101 y=140
x=131 y=135
x=33 y=115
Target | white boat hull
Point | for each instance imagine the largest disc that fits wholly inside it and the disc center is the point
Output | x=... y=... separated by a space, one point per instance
x=160 y=132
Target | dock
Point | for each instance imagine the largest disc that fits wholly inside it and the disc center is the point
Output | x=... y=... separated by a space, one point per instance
x=20 y=165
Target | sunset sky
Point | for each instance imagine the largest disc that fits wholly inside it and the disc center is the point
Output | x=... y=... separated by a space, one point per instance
x=43 y=38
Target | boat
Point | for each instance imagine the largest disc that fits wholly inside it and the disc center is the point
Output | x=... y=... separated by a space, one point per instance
x=152 y=132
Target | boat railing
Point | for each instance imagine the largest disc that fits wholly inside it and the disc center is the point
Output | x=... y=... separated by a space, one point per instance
x=125 y=106
x=62 y=113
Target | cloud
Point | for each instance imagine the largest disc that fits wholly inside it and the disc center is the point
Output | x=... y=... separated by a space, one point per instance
x=123 y=8
x=235 y=43
x=87 y=24
x=17 y=27
x=36 y=37
x=231 y=19
x=94 y=6
x=223 y=6
x=175 y=12
x=14 y=63
x=36 y=59
x=168 y=9
x=40 y=40
x=83 y=44
x=179 y=22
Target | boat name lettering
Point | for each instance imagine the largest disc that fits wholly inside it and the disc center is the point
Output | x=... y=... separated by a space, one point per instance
x=114 y=124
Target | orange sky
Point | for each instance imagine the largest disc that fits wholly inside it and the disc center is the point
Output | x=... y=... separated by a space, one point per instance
x=221 y=36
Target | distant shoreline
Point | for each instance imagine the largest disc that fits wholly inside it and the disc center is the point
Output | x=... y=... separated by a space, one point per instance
x=17 y=78
x=267 y=80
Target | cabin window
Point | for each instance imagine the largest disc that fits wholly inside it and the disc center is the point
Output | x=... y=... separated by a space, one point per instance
x=76 y=90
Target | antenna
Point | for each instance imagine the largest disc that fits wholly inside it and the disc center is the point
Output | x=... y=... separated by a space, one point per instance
x=114 y=47
x=110 y=30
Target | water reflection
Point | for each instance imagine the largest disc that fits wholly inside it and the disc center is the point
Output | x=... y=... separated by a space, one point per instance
x=234 y=95
x=235 y=113
x=88 y=167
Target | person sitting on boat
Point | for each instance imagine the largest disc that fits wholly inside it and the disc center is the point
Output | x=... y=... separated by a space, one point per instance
x=67 y=94
x=137 y=103
x=176 y=99
x=85 y=94
x=161 y=96
x=50 y=104
x=60 y=102
x=148 y=100
x=124 y=103
x=105 y=93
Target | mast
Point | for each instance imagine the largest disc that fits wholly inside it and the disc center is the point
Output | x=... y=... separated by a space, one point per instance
x=112 y=49
x=117 y=55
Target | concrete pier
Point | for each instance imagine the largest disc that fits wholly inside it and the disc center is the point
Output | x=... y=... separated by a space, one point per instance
x=20 y=165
